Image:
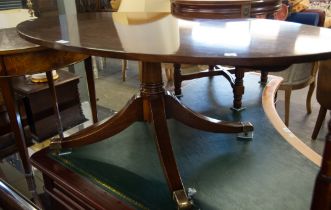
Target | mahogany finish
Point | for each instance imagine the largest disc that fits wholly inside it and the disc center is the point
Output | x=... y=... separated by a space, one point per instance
x=240 y=42
x=84 y=193
x=220 y=9
x=13 y=44
x=40 y=115
x=223 y=8
x=19 y=57
x=137 y=36
x=11 y=199
x=322 y=195
x=17 y=129
x=322 y=191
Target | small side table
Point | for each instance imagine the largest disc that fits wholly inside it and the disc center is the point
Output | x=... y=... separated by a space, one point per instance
x=40 y=113
x=19 y=57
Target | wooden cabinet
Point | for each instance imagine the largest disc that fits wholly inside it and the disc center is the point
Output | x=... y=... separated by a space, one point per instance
x=37 y=104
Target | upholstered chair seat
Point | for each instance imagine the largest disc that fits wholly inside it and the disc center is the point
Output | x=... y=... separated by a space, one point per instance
x=295 y=77
x=300 y=75
x=296 y=74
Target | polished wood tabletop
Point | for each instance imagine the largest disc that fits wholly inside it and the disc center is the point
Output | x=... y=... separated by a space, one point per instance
x=19 y=57
x=11 y=43
x=161 y=37
x=224 y=8
x=14 y=50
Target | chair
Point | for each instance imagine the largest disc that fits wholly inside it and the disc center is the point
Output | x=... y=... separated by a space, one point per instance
x=220 y=10
x=298 y=76
x=323 y=91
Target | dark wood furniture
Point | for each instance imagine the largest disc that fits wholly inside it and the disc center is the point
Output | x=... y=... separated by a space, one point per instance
x=70 y=190
x=322 y=191
x=44 y=7
x=11 y=199
x=189 y=45
x=50 y=7
x=227 y=174
x=223 y=9
x=219 y=9
x=40 y=114
x=19 y=57
x=323 y=94
x=7 y=139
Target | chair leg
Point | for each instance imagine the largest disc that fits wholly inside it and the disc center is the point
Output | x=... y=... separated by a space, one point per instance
x=287 y=105
x=318 y=125
x=169 y=73
x=276 y=98
x=309 y=95
x=124 y=67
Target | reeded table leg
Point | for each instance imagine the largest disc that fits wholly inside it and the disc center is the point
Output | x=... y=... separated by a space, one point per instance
x=154 y=105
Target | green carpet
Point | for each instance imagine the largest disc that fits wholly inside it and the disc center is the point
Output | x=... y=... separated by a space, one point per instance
x=265 y=173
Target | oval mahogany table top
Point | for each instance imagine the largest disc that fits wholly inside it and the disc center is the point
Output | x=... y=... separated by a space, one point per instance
x=161 y=37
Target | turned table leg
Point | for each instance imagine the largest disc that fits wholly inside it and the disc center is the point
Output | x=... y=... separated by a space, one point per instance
x=177 y=79
x=238 y=89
